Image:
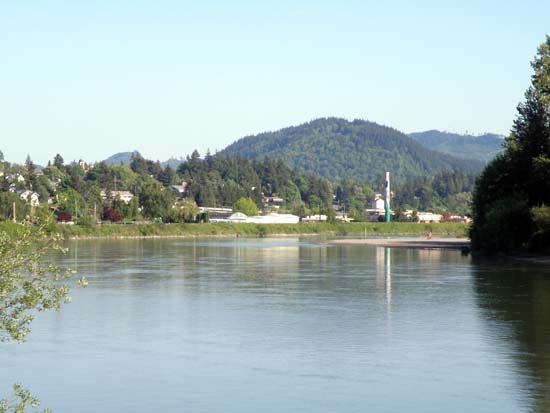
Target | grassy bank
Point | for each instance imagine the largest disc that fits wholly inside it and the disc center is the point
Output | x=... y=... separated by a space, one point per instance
x=256 y=230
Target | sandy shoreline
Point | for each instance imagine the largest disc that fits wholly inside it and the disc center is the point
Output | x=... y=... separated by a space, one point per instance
x=408 y=242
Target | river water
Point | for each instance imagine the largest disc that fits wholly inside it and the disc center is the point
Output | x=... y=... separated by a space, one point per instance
x=288 y=325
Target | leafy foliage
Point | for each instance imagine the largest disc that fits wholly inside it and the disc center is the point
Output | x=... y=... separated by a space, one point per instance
x=27 y=283
x=22 y=398
x=246 y=206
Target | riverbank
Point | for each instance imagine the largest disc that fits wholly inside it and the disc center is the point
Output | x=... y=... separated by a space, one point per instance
x=462 y=244
x=258 y=230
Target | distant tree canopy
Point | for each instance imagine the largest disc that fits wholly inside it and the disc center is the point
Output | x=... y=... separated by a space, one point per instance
x=246 y=206
x=484 y=147
x=513 y=191
x=91 y=194
x=58 y=161
x=447 y=191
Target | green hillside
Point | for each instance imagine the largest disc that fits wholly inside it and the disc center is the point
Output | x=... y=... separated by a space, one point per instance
x=482 y=148
x=338 y=149
x=121 y=158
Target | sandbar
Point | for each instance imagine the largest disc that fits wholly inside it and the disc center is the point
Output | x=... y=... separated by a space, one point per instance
x=407 y=242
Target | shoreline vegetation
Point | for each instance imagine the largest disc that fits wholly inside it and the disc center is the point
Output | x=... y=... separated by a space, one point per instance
x=511 y=199
x=363 y=229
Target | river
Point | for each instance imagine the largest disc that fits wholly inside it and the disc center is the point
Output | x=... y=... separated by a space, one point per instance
x=288 y=325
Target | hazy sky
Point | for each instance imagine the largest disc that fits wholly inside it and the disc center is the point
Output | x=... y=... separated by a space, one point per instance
x=91 y=78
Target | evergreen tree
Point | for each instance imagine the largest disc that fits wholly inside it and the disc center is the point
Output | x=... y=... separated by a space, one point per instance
x=30 y=165
x=519 y=179
x=58 y=162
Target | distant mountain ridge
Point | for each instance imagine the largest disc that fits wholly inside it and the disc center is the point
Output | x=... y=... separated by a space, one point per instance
x=124 y=158
x=121 y=158
x=482 y=148
x=338 y=149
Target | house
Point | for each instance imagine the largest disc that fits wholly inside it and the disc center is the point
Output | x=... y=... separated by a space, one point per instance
x=179 y=190
x=315 y=218
x=54 y=184
x=124 y=196
x=429 y=217
x=15 y=177
x=378 y=208
x=30 y=197
x=425 y=217
x=273 y=218
x=85 y=167
x=378 y=202
x=273 y=202
x=216 y=214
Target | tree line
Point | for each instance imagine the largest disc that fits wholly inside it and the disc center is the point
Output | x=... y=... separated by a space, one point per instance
x=511 y=203
x=83 y=193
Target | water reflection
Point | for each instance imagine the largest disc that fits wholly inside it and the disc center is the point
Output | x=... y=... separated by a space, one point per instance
x=384 y=274
x=515 y=300
x=288 y=325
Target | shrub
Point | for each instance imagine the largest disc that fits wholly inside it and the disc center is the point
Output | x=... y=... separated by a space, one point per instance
x=506 y=226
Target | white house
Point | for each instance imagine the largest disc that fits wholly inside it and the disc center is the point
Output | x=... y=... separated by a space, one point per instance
x=429 y=217
x=425 y=217
x=378 y=208
x=179 y=190
x=124 y=196
x=217 y=214
x=274 y=202
x=378 y=202
x=54 y=184
x=315 y=218
x=30 y=197
x=273 y=218
x=15 y=177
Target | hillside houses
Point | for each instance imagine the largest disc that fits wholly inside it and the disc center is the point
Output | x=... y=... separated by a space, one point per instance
x=30 y=197
x=179 y=190
x=124 y=196
x=13 y=178
x=150 y=192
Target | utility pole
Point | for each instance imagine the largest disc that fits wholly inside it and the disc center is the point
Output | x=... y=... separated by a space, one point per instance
x=14 y=218
x=95 y=213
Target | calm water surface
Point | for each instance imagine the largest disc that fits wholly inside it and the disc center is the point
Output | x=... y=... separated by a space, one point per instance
x=287 y=325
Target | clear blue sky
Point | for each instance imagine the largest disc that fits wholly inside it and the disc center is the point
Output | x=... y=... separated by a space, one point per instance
x=88 y=79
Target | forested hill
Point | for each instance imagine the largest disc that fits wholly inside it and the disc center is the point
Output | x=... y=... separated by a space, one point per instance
x=483 y=147
x=338 y=149
x=121 y=158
